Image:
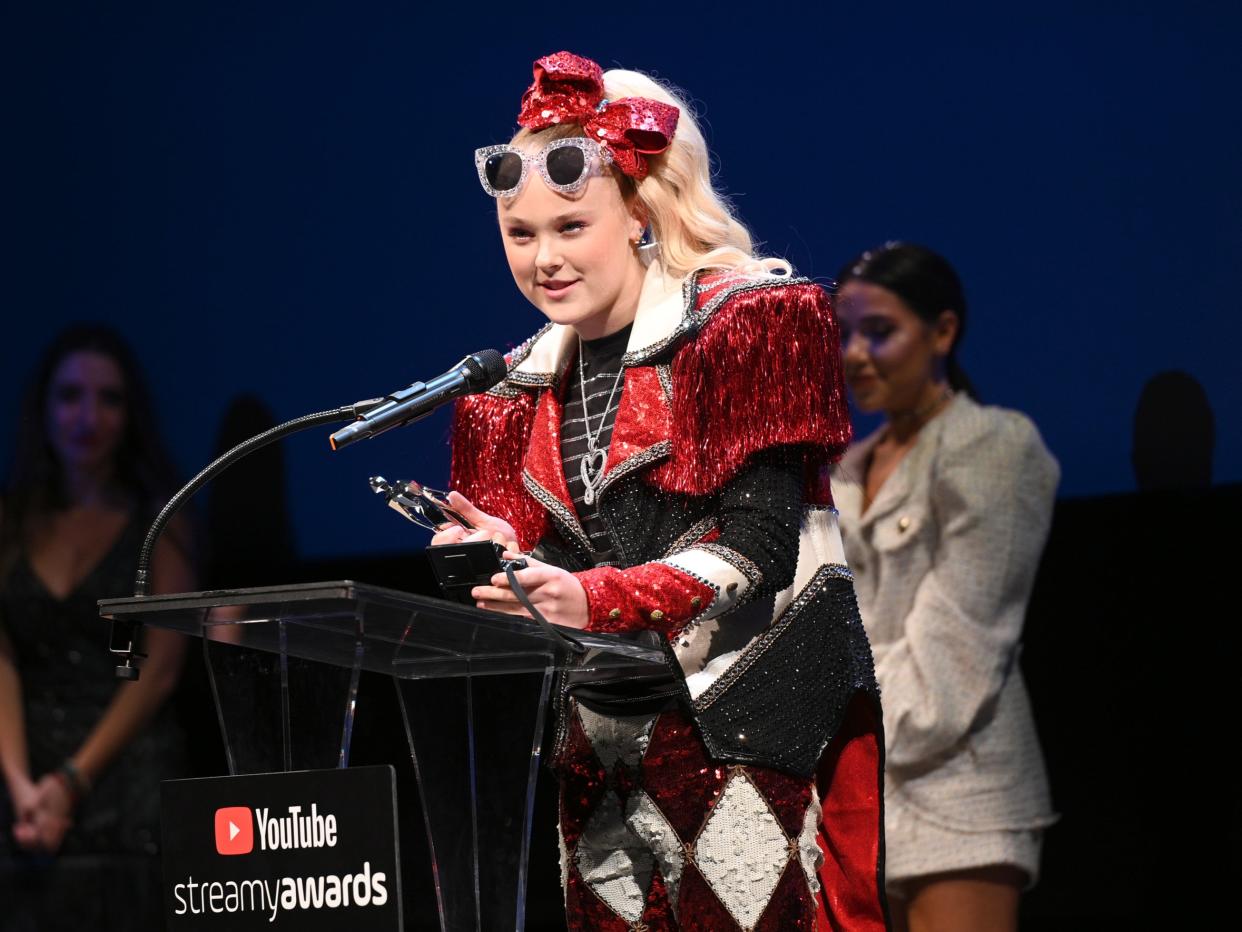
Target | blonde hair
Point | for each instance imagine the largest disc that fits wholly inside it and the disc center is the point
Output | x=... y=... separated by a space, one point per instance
x=693 y=223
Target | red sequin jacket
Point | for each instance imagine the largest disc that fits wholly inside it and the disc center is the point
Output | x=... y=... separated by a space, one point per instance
x=733 y=366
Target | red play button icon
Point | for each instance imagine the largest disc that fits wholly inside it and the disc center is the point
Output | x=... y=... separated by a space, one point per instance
x=234 y=830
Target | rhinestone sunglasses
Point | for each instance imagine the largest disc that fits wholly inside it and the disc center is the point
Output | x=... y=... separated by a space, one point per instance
x=565 y=165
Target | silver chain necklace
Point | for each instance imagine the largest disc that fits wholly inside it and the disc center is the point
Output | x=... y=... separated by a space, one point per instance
x=592 y=464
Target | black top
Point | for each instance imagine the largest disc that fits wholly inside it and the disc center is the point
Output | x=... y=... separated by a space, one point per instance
x=600 y=368
x=106 y=874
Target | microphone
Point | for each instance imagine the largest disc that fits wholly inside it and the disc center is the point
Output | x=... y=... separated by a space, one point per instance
x=476 y=373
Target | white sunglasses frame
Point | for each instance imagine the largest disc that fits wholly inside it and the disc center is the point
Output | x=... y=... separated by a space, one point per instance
x=596 y=158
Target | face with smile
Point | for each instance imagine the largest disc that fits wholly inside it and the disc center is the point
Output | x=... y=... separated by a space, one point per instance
x=894 y=360
x=573 y=255
x=86 y=410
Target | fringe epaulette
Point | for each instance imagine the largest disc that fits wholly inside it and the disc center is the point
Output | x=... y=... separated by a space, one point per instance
x=763 y=370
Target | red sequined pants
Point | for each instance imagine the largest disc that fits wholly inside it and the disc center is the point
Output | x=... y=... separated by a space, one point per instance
x=657 y=837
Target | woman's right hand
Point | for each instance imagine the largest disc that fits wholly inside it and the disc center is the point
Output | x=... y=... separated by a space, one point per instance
x=44 y=813
x=486 y=527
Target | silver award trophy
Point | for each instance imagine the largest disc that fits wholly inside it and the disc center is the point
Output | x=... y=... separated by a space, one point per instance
x=425 y=507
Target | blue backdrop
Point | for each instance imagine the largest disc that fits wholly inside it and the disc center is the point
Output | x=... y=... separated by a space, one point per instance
x=281 y=199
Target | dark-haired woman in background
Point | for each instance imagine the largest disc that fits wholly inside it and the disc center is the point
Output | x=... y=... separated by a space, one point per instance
x=83 y=754
x=944 y=510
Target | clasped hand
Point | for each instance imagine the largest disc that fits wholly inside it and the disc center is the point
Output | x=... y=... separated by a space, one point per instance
x=42 y=811
x=557 y=593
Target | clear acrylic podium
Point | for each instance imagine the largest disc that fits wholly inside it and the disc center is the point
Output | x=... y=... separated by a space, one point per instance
x=284 y=664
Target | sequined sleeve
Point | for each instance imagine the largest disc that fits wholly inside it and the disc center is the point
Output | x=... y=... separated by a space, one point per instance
x=490 y=435
x=751 y=552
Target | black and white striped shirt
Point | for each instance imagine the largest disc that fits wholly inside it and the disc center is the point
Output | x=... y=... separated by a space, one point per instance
x=601 y=368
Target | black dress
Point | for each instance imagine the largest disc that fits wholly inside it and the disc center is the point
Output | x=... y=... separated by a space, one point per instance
x=106 y=874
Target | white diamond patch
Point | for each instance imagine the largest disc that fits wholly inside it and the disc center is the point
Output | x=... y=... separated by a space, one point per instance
x=564 y=853
x=648 y=823
x=809 y=852
x=616 y=737
x=613 y=862
x=742 y=851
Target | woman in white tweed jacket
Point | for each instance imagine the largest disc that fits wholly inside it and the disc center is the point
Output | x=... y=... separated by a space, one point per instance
x=945 y=510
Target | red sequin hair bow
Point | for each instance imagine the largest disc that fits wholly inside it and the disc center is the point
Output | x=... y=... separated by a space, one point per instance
x=570 y=89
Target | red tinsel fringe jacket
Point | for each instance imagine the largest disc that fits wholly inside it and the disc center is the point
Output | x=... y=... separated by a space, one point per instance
x=734 y=365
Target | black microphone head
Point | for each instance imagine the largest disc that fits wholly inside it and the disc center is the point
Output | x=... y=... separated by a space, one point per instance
x=484 y=369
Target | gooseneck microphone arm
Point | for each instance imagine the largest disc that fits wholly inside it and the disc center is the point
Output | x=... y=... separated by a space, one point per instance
x=125 y=633
x=475 y=373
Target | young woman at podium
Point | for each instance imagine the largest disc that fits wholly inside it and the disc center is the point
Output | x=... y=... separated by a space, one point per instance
x=655 y=453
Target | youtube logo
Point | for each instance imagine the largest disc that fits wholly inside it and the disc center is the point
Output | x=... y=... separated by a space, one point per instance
x=234 y=830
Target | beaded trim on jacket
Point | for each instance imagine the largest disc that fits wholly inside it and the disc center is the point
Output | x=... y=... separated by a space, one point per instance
x=540 y=361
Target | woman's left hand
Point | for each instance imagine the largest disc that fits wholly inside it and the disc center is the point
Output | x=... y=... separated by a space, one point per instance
x=557 y=593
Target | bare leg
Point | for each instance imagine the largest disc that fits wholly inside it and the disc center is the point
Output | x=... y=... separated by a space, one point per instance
x=983 y=899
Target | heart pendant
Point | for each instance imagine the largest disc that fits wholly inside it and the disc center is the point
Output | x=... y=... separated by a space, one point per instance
x=592 y=468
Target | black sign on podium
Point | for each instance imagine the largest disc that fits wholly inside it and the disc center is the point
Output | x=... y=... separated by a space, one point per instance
x=309 y=850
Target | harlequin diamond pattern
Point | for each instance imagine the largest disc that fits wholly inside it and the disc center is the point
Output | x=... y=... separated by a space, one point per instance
x=617 y=737
x=809 y=853
x=672 y=834
x=647 y=822
x=742 y=850
x=613 y=862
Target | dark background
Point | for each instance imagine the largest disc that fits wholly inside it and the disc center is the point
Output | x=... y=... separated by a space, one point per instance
x=280 y=199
